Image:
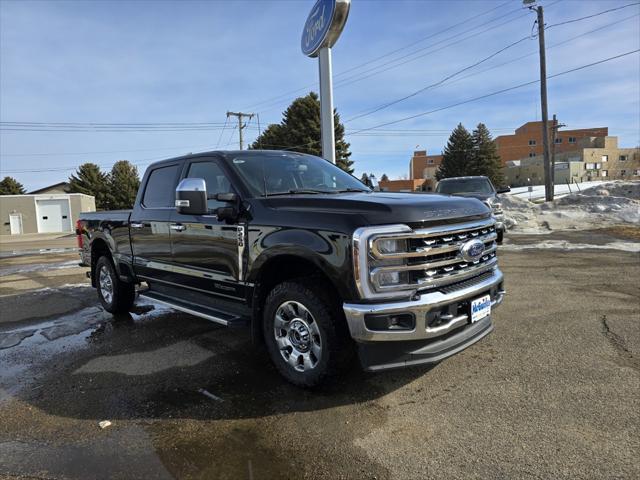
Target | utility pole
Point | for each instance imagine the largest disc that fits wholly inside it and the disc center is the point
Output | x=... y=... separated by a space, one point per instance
x=548 y=184
x=554 y=128
x=241 y=126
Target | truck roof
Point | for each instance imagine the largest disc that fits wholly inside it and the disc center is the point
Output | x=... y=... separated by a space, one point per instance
x=223 y=153
x=463 y=178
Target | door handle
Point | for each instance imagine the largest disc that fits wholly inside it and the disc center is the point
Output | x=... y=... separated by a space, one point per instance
x=136 y=225
x=177 y=227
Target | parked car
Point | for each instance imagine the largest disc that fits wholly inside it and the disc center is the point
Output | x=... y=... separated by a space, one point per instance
x=477 y=187
x=315 y=263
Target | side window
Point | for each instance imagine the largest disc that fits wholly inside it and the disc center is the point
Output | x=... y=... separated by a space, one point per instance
x=215 y=179
x=161 y=188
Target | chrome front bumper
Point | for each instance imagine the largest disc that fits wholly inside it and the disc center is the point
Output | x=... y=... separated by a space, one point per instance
x=355 y=312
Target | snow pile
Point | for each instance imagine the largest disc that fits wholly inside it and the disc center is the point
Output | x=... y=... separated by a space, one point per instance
x=615 y=203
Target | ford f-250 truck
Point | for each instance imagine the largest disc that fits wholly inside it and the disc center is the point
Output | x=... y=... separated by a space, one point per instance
x=315 y=263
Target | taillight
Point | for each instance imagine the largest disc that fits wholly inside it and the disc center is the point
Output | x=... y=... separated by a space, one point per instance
x=79 y=233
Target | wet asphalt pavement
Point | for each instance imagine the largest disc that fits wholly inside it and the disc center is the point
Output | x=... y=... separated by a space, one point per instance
x=553 y=392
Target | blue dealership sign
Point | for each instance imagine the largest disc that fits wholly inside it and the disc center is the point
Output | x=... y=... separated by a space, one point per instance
x=324 y=25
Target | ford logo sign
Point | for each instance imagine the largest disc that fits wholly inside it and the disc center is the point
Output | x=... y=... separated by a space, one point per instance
x=472 y=250
x=324 y=25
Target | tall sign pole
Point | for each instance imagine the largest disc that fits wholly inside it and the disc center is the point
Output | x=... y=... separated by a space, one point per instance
x=327 y=127
x=321 y=31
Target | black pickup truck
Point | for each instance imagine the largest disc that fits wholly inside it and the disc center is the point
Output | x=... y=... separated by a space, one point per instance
x=314 y=262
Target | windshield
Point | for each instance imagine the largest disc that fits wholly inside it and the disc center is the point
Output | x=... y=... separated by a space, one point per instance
x=467 y=185
x=290 y=173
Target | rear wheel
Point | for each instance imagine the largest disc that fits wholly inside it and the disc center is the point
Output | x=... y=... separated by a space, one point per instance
x=115 y=295
x=306 y=340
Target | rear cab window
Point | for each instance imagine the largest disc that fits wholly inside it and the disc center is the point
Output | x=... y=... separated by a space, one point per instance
x=160 y=189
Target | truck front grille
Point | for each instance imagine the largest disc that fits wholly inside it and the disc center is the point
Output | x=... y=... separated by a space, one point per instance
x=433 y=257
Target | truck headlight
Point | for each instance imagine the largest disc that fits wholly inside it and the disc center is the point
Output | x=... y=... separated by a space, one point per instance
x=378 y=260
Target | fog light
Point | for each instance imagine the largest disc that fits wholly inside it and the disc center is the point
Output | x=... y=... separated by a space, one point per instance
x=389 y=278
x=401 y=321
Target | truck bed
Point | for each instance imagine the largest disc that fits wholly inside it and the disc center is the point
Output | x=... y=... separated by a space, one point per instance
x=111 y=215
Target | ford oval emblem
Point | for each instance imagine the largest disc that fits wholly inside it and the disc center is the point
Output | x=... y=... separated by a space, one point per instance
x=324 y=25
x=472 y=250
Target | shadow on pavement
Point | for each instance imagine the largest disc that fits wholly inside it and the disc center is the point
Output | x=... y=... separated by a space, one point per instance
x=160 y=364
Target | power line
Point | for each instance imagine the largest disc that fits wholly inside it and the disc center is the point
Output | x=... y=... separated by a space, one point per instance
x=60 y=154
x=390 y=64
x=494 y=93
x=564 y=42
x=440 y=82
x=445 y=79
x=113 y=124
x=222 y=131
x=373 y=60
x=591 y=16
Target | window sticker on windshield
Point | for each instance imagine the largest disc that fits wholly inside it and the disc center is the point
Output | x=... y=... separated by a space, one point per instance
x=238 y=160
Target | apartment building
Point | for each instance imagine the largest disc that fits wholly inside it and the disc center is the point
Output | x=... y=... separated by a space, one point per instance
x=595 y=158
x=526 y=142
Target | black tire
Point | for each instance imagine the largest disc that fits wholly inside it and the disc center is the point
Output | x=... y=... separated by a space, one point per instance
x=122 y=294
x=334 y=343
x=500 y=234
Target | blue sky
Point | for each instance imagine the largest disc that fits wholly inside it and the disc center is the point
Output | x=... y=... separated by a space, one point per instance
x=191 y=61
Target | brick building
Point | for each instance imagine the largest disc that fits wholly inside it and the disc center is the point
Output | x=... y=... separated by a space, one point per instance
x=423 y=166
x=527 y=140
x=402 y=185
x=593 y=158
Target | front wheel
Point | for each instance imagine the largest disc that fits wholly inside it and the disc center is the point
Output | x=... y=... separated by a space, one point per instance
x=115 y=295
x=304 y=334
x=500 y=234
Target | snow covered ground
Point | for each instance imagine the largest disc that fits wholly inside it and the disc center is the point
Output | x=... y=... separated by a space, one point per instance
x=603 y=205
x=559 y=190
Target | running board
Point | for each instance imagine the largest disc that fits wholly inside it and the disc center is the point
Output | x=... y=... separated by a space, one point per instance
x=197 y=310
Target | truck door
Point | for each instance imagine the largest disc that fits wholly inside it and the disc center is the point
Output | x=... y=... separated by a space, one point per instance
x=208 y=253
x=149 y=225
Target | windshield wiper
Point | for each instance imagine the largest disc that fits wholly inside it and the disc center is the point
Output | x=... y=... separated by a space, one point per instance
x=295 y=191
x=346 y=190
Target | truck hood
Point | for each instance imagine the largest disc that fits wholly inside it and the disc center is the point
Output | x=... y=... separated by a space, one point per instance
x=380 y=208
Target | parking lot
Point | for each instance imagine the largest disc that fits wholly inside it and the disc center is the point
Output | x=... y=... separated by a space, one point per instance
x=553 y=392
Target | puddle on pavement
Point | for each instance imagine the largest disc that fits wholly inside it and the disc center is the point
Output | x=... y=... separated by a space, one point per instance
x=26 y=347
x=38 y=267
x=238 y=452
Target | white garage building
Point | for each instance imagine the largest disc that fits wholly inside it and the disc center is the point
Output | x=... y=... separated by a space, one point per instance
x=48 y=210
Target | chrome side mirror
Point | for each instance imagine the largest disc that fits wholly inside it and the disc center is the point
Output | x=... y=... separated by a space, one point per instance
x=191 y=197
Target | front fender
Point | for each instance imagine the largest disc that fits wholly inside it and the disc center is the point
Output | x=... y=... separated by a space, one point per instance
x=328 y=251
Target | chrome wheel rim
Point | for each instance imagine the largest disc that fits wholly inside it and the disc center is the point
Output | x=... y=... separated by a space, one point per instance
x=106 y=284
x=297 y=336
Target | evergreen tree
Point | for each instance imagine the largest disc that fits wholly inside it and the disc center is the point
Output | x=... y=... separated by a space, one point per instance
x=384 y=178
x=123 y=185
x=91 y=181
x=485 y=156
x=457 y=154
x=365 y=178
x=10 y=186
x=299 y=131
